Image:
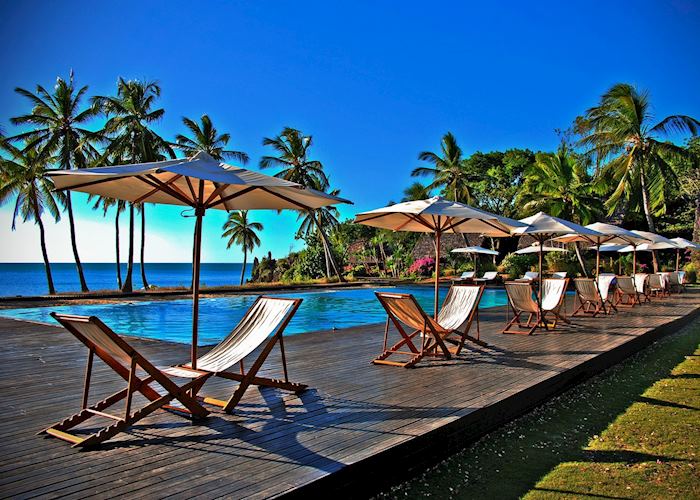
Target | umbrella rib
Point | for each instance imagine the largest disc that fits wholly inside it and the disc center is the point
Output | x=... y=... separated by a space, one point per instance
x=232 y=196
x=488 y=223
x=219 y=188
x=371 y=218
x=191 y=187
x=155 y=190
x=166 y=190
x=287 y=199
x=171 y=187
x=403 y=224
x=421 y=221
x=91 y=183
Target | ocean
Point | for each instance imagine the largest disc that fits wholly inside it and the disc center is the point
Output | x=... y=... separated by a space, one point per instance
x=30 y=279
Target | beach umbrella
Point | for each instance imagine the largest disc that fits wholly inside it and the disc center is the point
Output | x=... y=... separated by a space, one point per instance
x=683 y=244
x=610 y=234
x=542 y=227
x=199 y=182
x=535 y=248
x=654 y=242
x=473 y=251
x=437 y=215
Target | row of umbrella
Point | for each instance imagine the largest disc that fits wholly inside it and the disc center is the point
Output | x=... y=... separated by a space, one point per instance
x=203 y=183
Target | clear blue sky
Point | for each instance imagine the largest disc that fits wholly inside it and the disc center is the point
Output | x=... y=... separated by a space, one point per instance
x=373 y=83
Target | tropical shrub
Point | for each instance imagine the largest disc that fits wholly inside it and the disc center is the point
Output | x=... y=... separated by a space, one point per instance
x=563 y=261
x=691 y=273
x=425 y=266
x=515 y=265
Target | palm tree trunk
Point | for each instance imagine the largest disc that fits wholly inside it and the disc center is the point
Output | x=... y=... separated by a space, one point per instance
x=128 y=285
x=47 y=264
x=325 y=242
x=74 y=244
x=580 y=260
x=143 y=246
x=647 y=214
x=119 y=264
x=245 y=263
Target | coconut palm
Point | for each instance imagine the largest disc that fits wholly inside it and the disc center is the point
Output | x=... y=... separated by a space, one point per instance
x=105 y=204
x=128 y=128
x=206 y=138
x=559 y=184
x=23 y=177
x=292 y=148
x=619 y=132
x=242 y=232
x=449 y=171
x=327 y=218
x=416 y=191
x=58 y=119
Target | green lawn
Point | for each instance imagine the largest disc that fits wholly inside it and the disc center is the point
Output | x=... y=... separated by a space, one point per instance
x=630 y=432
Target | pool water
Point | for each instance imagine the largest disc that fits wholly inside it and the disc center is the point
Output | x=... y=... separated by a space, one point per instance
x=172 y=319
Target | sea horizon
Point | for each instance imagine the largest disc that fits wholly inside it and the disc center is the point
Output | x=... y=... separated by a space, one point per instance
x=29 y=278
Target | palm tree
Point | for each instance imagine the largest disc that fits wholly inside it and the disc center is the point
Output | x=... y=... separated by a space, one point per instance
x=206 y=138
x=105 y=204
x=416 y=191
x=130 y=115
x=449 y=171
x=292 y=148
x=58 y=121
x=328 y=220
x=241 y=231
x=559 y=184
x=618 y=131
x=23 y=177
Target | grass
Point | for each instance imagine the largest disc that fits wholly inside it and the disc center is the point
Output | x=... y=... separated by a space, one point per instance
x=630 y=432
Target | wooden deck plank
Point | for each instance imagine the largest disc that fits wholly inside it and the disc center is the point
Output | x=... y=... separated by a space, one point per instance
x=358 y=415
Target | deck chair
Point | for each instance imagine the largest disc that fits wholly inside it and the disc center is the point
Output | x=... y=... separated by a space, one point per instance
x=266 y=318
x=657 y=286
x=559 y=274
x=459 y=310
x=590 y=296
x=675 y=282
x=140 y=375
x=641 y=284
x=488 y=276
x=521 y=301
x=627 y=293
x=466 y=275
x=529 y=276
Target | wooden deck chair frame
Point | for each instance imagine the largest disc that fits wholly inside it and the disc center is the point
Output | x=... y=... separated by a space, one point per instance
x=430 y=334
x=592 y=305
x=135 y=384
x=556 y=310
x=528 y=327
x=627 y=297
x=675 y=283
x=250 y=377
x=644 y=292
x=657 y=291
x=463 y=333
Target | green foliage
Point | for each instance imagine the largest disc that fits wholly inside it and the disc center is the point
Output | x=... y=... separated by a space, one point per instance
x=206 y=138
x=563 y=261
x=691 y=272
x=515 y=265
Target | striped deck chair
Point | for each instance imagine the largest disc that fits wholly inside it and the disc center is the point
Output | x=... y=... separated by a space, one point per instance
x=520 y=298
x=488 y=276
x=459 y=310
x=529 y=276
x=559 y=274
x=265 y=319
x=627 y=293
x=657 y=285
x=466 y=275
x=591 y=298
x=641 y=284
x=140 y=375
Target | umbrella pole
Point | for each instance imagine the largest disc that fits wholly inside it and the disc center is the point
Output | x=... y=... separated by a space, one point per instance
x=195 y=282
x=678 y=258
x=597 y=261
x=634 y=260
x=437 y=268
x=539 y=292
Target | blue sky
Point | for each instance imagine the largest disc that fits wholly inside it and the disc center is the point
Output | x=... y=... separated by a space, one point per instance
x=374 y=83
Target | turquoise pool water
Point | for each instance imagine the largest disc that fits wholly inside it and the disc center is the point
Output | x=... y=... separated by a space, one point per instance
x=172 y=319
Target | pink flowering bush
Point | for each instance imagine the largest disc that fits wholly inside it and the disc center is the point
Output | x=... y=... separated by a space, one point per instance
x=425 y=266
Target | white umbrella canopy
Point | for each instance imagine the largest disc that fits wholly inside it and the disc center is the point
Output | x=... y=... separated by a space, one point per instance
x=683 y=244
x=535 y=248
x=485 y=251
x=474 y=251
x=438 y=215
x=542 y=226
x=610 y=234
x=199 y=182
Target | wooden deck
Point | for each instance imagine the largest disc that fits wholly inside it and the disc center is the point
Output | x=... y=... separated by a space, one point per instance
x=359 y=428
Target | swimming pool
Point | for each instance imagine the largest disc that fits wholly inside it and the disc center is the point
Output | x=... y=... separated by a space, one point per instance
x=172 y=319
